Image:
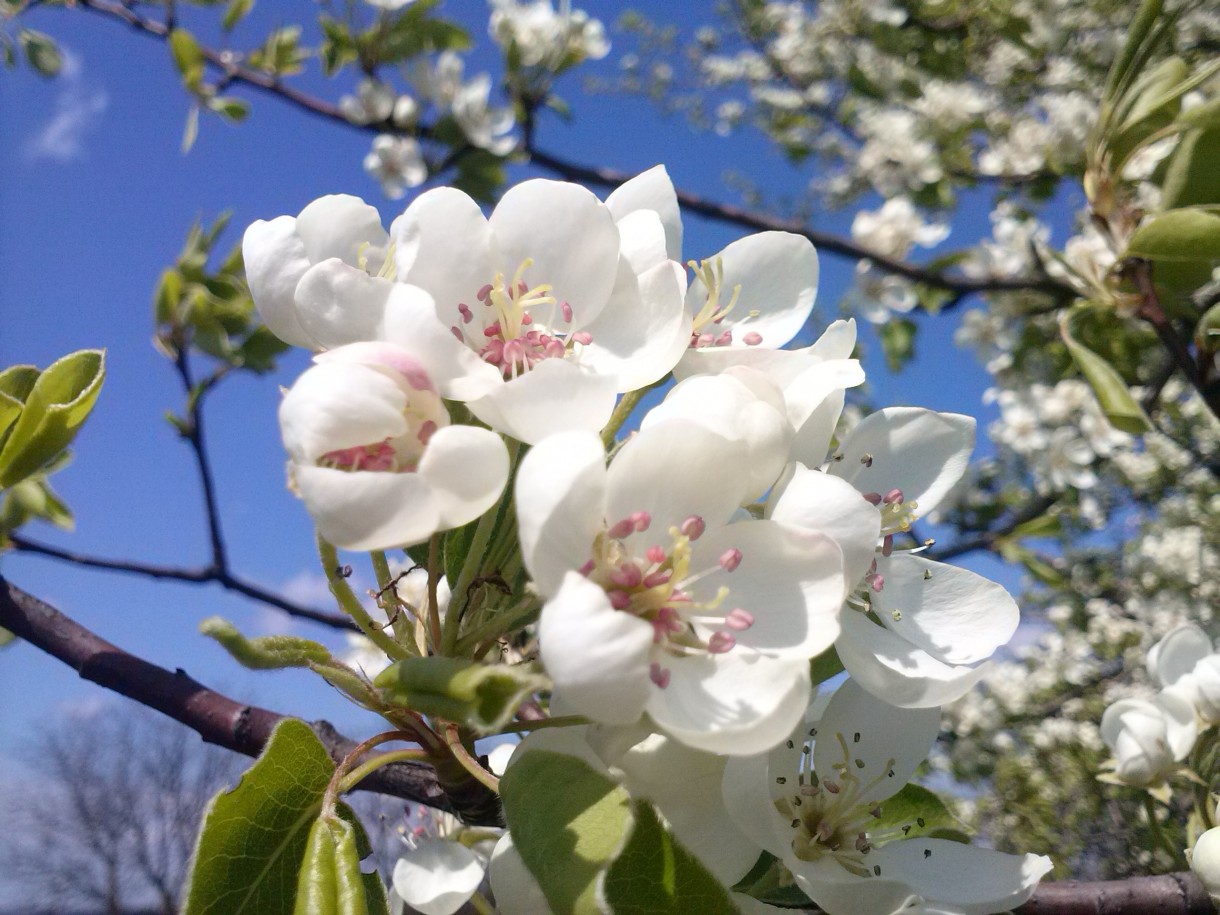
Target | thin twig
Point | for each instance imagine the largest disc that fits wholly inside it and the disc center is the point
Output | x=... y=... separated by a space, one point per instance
x=987 y=540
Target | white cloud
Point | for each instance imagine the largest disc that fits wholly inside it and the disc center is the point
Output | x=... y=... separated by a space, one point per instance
x=309 y=588
x=78 y=109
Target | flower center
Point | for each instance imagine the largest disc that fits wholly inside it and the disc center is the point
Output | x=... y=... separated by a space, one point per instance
x=423 y=413
x=656 y=587
x=513 y=340
x=703 y=326
x=831 y=814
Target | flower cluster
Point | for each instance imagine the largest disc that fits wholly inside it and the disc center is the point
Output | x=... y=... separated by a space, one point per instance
x=681 y=579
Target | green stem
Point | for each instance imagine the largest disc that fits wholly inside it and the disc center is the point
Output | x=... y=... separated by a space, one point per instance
x=626 y=404
x=1162 y=839
x=496 y=626
x=454 y=741
x=350 y=604
x=480 y=904
x=388 y=594
x=334 y=786
x=560 y=721
x=434 y=576
x=356 y=775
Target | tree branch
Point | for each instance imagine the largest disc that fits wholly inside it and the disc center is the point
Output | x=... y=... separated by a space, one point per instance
x=194 y=435
x=198 y=575
x=987 y=540
x=825 y=241
x=216 y=718
x=1169 y=894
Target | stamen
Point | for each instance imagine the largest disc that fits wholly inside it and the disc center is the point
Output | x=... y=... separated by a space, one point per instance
x=752 y=338
x=720 y=643
x=730 y=559
x=693 y=527
x=658 y=675
x=739 y=619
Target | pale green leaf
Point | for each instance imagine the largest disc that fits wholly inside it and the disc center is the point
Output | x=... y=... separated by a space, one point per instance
x=481 y=696
x=1190 y=234
x=188 y=57
x=1191 y=175
x=1113 y=395
x=266 y=652
x=913 y=811
x=16 y=382
x=190 y=132
x=655 y=875
x=254 y=837
x=330 y=882
x=568 y=822
x=41 y=52
x=54 y=410
x=6 y=637
x=235 y=12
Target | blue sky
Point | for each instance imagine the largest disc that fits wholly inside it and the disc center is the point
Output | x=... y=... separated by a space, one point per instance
x=95 y=200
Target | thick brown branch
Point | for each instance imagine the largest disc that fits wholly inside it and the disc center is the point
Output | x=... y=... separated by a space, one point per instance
x=216 y=718
x=825 y=241
x=198 y=575
x=1170 y=894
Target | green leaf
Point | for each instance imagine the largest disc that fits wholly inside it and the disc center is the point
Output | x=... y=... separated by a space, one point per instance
x=54 y=410
x=482 y=696
x=454 y=547
x=188 y=57
x=16 y=382
x=772 y=884
x=268 y=652
x=236 y=11
x=914 y=811
x=1141 y=41
x=1047 y=525
x=254 y=837
x=1191 y=175
x=480 y=174
x=190 y=132
x=897 y=342
x=6 y=637
x=1189 y=234
x=1207 y=331
x=825 y=666
x=41 y=52
x=259 y=350
x=1113 y=395
x=330 y=882
x=655 y=875
x=232 y=109
x=568 y=822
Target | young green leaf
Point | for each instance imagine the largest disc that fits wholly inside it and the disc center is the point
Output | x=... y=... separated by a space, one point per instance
x=1113 y=395
x=254 y=837
x=267 y=652
x=480 y=696
x=330 y=882
x=566 y=835
x=655 y=875
x=1189 y=234
x=41 y=52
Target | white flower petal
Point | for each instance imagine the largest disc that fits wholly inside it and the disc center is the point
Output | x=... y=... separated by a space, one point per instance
x=365 y=510
x=805 y=393
x=642 y=241
x=642 y=331
x=554 y=396
x=338 y=304
x=561 y=498
x=342 y=226
x=973 y=881
x=791 y=581
x=894 y=670
x=838 y=892
x=814 y=501
x=746 y=791
x=514 y=887
x=597 y=656
x=568 y=234
x=778 y=275
x=739 y=703
x=813 y=438
x=275 y=261
x=651 y=190
x=467 y=468
x=674 y=470
x=437 y=876
x=921 y=452
x=956 y=616
x=1176 y=655
x=891 y=739
x=443 y=244
x=335 y=405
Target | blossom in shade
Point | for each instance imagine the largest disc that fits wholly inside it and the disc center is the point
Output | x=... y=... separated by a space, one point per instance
x=373 y=455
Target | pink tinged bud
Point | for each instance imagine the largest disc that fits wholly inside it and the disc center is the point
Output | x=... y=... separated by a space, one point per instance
x=566 y=310
x=655 y=554
x=873 y=498
x=582 y=337
x=484 y=294
x=730 y=559
x=619 y=600
x=725 y=338
x=426 y=431
x=720 y=643
x=752 y=338
x=894 y=496
x=457 y=332
x=657 y=675
x=627 y=575
x=654 y=579
x=641 y=520
x=587 y=568
x=621 y=529
x=693 y=527
x=466 y=313
x=492 y=329
x=739 y=619
x=887 y=545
